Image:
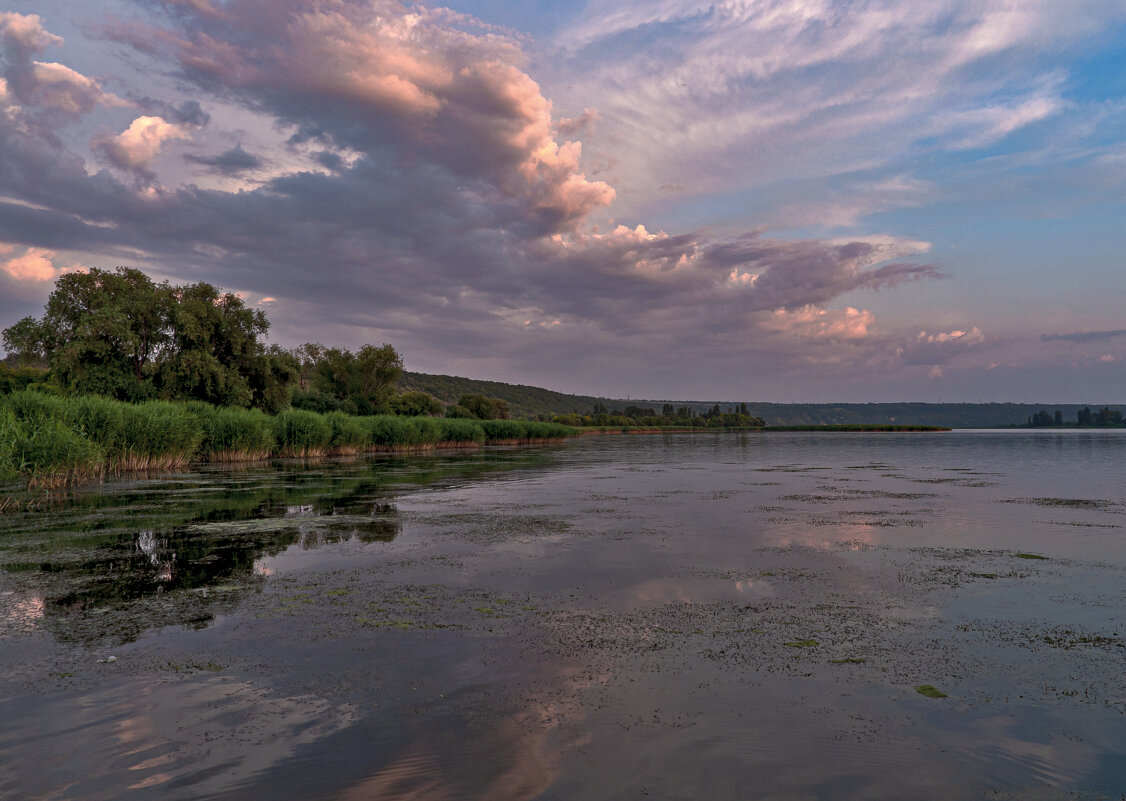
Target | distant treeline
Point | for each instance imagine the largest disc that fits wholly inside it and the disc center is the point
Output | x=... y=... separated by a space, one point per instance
x=669 y=417
x=50 y=440
x=1105 y=417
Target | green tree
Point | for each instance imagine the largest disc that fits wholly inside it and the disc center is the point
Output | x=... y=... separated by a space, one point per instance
x=101 y=333
x=364 y=380
x=484 y=408
x=118 y=333
x=417 y=404
x=24 y=341
x=215 y=345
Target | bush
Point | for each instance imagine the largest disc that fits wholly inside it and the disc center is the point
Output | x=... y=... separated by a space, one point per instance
x=456 y=431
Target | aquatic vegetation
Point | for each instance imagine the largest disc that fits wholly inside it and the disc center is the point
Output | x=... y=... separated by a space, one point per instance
x=1029 y=556
x=801 y=644
x=301 y=433
x=930 y=691
x=50 y=440
x=233 y=435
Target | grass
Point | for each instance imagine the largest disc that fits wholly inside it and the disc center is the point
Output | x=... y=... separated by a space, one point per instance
x=49 y=440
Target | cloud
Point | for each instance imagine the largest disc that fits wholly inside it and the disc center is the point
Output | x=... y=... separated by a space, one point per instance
x=940 y=347
x=1083 y=337
x=136 y=146
x=781 y=94
x=436 y=188
x=380 y=74
x=34 y=265
x=812 y=323
x=230 y=162
x=26 y=32
x=46 y=86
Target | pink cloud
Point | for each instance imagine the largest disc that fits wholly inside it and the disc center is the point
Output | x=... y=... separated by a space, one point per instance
x=46 y=85
x=137 y=145
x=810 y=322
x=373 y=74
x=34 y=265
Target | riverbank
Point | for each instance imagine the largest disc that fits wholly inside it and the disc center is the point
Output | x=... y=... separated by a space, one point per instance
x=50 y=441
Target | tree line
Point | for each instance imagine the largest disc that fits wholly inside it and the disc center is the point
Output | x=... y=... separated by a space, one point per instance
x=681 y=417
x=119 y=334
x=1084 y=418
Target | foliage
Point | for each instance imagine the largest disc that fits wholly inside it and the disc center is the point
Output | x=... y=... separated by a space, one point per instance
x=360 y=383
x=416 y=404
x=44 y=450
x=232 y=434
x=349 y=434
x=119 y=334
x=462 y=431
x=50 y=439
x=485 y=408
x=523 y=401
x=301 y=433
x=15 y=378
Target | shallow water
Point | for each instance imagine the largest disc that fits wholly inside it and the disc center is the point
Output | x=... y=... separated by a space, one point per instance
x=678 y=616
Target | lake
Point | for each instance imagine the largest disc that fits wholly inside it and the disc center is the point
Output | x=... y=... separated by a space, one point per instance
x=714 y=615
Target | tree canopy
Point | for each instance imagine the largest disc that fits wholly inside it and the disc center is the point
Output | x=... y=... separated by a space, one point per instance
x=120 y=334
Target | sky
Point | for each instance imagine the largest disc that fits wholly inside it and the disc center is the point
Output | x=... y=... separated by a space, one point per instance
x=749 y=200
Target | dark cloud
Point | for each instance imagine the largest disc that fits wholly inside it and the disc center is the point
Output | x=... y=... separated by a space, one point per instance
x=451 y=223
x=1083 y=337
x=229 y=162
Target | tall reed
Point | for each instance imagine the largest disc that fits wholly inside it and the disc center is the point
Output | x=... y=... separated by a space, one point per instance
x=157 y=435
x=301 y=433
x=232 y=435
x=45 y=451
x=349 y=434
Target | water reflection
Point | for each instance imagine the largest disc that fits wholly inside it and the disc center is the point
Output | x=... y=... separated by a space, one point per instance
x=122 y=557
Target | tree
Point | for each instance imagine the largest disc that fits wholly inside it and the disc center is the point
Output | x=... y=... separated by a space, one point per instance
x=483 y=408
x=214 y=347
x=416 y=404
x=120 y=334
x=101 y=332
x=24 y=341
x=362 y=382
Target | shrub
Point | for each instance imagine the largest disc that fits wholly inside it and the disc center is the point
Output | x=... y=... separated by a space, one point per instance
x=44 y=450
x=461 y=432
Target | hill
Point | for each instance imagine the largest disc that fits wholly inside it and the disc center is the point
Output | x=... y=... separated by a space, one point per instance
x=523 y=400
x=528 y=401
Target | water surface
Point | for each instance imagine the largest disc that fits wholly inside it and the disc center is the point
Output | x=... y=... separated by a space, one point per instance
x=677 y=616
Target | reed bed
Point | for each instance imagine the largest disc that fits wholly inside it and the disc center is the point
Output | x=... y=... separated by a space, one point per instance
x=301 y=433
x=233 y=435
x=48 y=440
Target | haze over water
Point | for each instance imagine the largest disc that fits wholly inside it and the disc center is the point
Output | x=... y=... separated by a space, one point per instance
x=721 y=616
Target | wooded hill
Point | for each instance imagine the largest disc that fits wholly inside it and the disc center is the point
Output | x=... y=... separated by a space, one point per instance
x=528 y=401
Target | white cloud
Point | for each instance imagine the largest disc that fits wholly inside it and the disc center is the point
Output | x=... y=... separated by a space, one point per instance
x=137 y=145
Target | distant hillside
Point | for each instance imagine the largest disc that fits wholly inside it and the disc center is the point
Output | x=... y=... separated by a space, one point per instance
x=526 y=401
x=523 y=401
